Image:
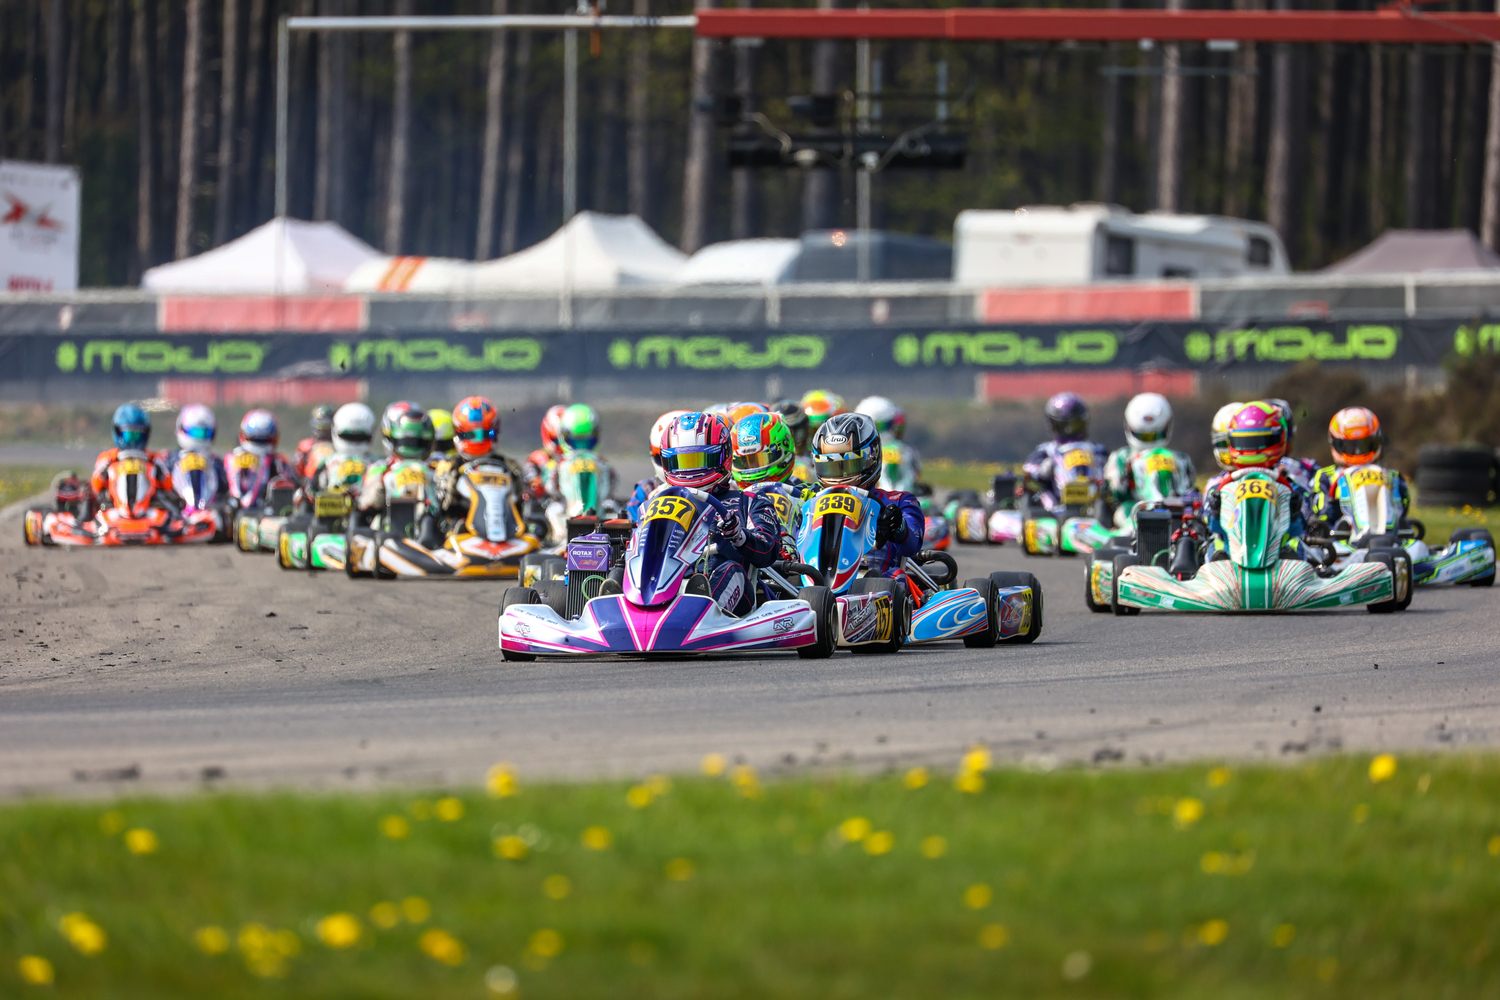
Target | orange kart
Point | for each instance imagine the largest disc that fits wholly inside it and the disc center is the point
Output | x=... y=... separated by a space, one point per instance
x=139 y=512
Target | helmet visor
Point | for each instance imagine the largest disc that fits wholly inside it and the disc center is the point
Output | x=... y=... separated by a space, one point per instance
x=355 y=437
x=1357 y=446
x=412 y=446
x=760 y=460
x=477 y=434
x=835 y=468
x=132 y=437
x=1251 y=441
x=198 y=432
x=1070 y=426
x=692 y=458
x=1149 y=437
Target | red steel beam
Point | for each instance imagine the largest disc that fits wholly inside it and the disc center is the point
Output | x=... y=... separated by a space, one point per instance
x=1392 y=26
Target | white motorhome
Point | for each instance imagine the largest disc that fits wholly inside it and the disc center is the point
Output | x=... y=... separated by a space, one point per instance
x=1088 y=242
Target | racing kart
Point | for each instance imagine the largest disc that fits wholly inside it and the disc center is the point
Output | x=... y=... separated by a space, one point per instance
x=1076 y=521
x=138 y=513
x=1169 y=533
x=198 y=485
x=257 y=494
x=878 y=614
x=1371 y=520
x=626 y=590
x=993 y=519
x=583 y=484
x=1255 y=574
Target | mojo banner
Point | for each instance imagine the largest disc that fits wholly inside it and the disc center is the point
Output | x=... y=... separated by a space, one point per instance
x=587 y=354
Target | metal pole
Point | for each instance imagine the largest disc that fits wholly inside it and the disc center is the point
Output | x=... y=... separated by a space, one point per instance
x=570 y=124
x=864 y=176
x=283 y=86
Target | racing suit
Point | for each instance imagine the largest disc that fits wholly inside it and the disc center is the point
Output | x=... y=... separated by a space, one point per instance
x=156 y=468
x=1040 y=469
x=536 y=470
x=375 y=489
x=310 y=454
x=1325 y=498
x=1119 y=479
x=243 y=467
x=1299 y=470
x=749 y=536
x=454 y=504
x=1296 y=529
x=899 y=535
x=639 y=496
x=169 y=462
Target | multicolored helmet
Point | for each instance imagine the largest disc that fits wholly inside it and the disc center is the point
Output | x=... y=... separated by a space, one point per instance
x=883 y=412
x=763 y=449
x=1069 y=416
x=654 y=441
x=551 y=429
x=846 y=451
x=353 y=427
x=739 y=411
x=1257 y=436
x=476 y=426
x=132 y=428
x=1288 y=417
x=442 y=432
x=796 y=421
x=1218 y=429
x=578 y=430
x=322 y=422
x=259 y=432
x=410 y=434
x=196 y=427
x=1355 y=437
x=696 y=451
x=1148 y=420
x=390 y=416
x=820 y=404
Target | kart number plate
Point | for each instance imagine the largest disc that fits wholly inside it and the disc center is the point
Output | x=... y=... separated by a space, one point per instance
x=669 y=509
x=1366 y=477
x=131 y=467
x=246 y=460
x=582 y=465
x=1077 y=458
x=498 y=479
x=349 y=472
x=839 y=503
x=783 y=506
x=1077 y=493
x=410 y=476
x=193 y=462
x=1258 y=488
x=1160 y=463
x=331 y=505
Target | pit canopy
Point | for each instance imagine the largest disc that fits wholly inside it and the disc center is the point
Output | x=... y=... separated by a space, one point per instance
x=281 y=257
x=1411 y=251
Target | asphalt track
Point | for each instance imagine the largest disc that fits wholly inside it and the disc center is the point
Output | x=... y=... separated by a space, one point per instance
x=167 y=669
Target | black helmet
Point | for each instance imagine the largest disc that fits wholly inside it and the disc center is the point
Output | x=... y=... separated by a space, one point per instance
x=1069 y=416
x=322 y=422
x=795 y=418
x=1288 y=419
x=846 y=451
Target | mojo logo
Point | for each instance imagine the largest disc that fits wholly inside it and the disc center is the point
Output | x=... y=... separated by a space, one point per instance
x=717 y=353
x=1293 y=343
x=513 y=354
x=231 y=357
x=1004 y=349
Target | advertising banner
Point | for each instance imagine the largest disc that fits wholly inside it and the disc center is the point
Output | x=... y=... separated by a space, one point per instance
x=38 y=227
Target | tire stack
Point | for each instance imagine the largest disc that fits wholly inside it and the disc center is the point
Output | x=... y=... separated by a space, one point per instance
x=1456 y=475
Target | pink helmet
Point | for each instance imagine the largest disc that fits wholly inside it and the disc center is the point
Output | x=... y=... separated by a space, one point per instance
x=697 y=451
x=1257 y=436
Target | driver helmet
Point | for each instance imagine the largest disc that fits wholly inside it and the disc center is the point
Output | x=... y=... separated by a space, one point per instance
x=410 y=434
x=1355 y=437
x=551 y=426
x=883 y=412
x=739 y=411
x=196 y=427
x=322 y=422
x=898 y=424
x=1257 y=436
x=820 y=404
x=696 y=451
x=763 y=451
x=1069 y=416
x=1288 y=419
x=476 y=426
x=1218 y=429
x=846 y=451
x=389 y=418
x=259 y=433
x=353 y=427
x=796 y=421
x=1148 y=421
x=442 y=433
x=578 y=430
x=657 y=430
x=132 y=428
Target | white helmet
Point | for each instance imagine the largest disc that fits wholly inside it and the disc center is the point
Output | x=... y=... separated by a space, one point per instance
x=196 y=426
x=353 y=428
x=1148 y=420
x=1219 y=433
x=654 y=441
x=884 y=412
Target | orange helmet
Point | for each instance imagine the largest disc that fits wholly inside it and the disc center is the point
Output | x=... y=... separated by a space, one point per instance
x=820 y=404
x=476 y=426
x=738 y=411
x=1354 y=436
x=551 y=429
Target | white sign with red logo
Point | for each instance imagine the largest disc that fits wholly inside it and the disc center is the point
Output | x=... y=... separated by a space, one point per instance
x=38 y=227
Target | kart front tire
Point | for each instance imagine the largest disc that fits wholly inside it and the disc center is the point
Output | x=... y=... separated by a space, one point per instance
x=31 y=526
x=379 y=571
x=514 y=597
x=1013 y=578
x=1389 y=561
x=554 y=594
x=1121 y=610
x=1088 y=582
x=991 y=633
x=281 y=550
x=825 y=620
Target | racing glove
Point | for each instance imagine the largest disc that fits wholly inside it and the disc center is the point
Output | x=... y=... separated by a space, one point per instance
x=891 y=527
x=731 y=528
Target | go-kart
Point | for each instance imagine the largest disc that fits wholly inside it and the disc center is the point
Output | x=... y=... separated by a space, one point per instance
x=198 y=485
x=877 y=614
x=634 y=597
x=1075 y=523
x=139 y=513
x=993 y=519
x=1169 y=533
x=1371 y=520
x=583 y=484
x=256 y=492
x=1254 y=573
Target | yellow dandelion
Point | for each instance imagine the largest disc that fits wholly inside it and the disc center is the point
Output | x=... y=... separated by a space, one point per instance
x=546 y=942
x=1494 y=846
x=978 y=896
x=1382 y=768
x=745 y=778
x=395 y=827
x=421 y=810
x=597 y=838
x=639 y=796
x=211 y=940
x=449 y=809
x=112 y=822
x=659 y=784
x=35 y=970
x=510 y=847
x=854 y=829
x=501 y=980
x=993 y=936
x=1218 y=777
x=339 y=930
x=1186 y=812
x=501 y=781
x=915 y=778
x=976 y=760
x=1283 y=935
x=713 y=764
x=83 y=934
x=1361 y=813
x=416 y=910
x=680 y=869
x=934 y=847
x=556 y=886
x=385 y=915
x=879 y=842
x=141 y=841
x=1213 y=932
x=969 y=782
x=441 y=946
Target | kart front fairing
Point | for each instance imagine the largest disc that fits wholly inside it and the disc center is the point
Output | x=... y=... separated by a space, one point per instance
x=671 y=539
x=687 y=623
x=838 y=529
x=1286 y=585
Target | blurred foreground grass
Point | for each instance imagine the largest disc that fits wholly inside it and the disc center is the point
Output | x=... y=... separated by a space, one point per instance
x=17 y=482
x=1310 y=881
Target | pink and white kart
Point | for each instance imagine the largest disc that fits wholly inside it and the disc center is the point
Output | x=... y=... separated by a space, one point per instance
x=633 y=598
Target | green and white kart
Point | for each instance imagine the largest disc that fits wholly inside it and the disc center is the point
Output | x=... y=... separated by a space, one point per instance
x=318 y=541
x=1255 y=511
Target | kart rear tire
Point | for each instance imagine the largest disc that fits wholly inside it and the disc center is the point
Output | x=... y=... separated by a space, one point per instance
x=239 y=536
x=991 y=633
x=875 y=585
x=825 y=620
x=1121 y=610
x=1013 y=578
x=1088 y=581
x=1388 y=559
x=517 y=596
x=281 y=549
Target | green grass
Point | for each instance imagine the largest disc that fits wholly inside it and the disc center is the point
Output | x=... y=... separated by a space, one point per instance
x=17 y=482
x=1441 y=521
x=1307 y=881
x=946 y=474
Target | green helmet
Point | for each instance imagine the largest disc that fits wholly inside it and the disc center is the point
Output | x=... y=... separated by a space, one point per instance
x=763 y=449
x=409 y=433
x=442 y=431
x=579 y=429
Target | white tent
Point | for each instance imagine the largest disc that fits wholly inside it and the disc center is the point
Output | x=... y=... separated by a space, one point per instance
x=284 y=256
x=1404 y=251
x=740 y=262
x=590 y=253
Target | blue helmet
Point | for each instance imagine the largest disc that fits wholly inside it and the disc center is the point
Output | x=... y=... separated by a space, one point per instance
x=132 y=427
x=259 y=433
